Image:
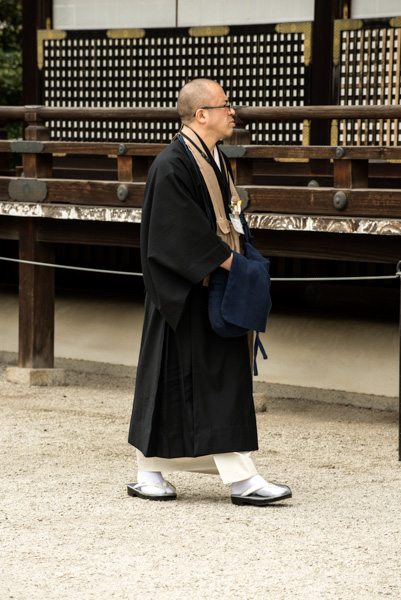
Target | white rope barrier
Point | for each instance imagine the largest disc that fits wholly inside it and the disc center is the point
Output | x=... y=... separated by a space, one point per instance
x=362 y=278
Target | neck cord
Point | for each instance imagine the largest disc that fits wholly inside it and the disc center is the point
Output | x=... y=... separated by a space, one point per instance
x=203 y=155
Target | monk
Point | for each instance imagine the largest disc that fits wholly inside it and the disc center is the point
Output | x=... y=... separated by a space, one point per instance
x=193 y=407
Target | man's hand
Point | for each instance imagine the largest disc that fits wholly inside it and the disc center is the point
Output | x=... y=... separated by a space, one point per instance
x=227 y=263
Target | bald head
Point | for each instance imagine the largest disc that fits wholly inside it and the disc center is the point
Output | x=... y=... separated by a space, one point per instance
x=194 y=95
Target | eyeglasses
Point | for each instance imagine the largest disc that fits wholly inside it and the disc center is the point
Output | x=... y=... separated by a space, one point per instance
x=226 y=105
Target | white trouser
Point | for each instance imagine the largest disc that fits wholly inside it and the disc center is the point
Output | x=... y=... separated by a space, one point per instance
x=232 y=466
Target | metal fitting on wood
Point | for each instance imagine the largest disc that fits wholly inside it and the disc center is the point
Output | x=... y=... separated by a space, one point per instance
x=340 y=201
x=122 y=193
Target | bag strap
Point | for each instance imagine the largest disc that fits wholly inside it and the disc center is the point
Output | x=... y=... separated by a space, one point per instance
x=258 y=345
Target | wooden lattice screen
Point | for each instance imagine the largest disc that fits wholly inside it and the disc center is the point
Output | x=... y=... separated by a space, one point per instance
x=367 y=61
x=257 y=65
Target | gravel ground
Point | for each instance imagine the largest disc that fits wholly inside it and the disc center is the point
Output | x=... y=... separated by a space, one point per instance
x=69 y=530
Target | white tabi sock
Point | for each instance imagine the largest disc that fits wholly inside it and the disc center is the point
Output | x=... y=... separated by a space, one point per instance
x=150 y=477
x=239 y=487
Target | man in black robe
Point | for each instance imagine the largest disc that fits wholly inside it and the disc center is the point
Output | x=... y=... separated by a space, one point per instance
x=193 y=407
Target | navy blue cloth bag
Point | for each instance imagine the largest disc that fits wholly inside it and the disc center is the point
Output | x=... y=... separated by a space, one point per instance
x=239 y=299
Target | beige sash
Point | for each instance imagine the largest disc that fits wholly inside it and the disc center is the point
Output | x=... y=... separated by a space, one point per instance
x=225 y=229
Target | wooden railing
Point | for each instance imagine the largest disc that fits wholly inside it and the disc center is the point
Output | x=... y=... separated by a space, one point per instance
x=332 y=184
x=347 y=193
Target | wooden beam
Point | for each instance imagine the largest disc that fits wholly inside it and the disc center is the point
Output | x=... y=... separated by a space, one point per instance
x=246 y=114
x=92 y=148
x=262 y=198
x=250 y=151
x=319 y=201
x=324 y=152
x=88 y=232
x=77 y=191
x=333 y=246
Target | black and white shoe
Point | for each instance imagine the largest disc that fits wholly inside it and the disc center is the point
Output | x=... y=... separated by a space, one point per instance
x=261 y=495
x=150 y=491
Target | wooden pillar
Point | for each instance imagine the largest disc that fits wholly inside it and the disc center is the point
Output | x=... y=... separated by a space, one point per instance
x=326 y=11
x=36 y=299
x=36 y=283
x=36 y=14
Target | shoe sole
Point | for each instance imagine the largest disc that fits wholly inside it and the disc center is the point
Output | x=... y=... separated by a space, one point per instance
x=241 y=500
x=136 y=494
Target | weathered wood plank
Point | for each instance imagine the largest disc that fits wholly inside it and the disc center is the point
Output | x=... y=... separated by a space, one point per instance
x=324 y=152
x=319 y=201
x=76 y=191
x=283 y=199
x=100 y=193
x=93 y=148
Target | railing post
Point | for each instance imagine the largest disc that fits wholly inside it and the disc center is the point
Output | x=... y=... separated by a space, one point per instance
x=350 y=173
x=132 y=168
x=241 y=166
x=36 y=165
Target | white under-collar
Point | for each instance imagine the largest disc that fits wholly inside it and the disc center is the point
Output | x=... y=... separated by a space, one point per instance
x=216 y=157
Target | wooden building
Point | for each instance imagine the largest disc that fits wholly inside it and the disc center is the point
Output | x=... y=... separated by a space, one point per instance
x=316 y=154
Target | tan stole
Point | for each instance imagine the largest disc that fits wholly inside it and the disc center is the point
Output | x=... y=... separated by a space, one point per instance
x=225 y=229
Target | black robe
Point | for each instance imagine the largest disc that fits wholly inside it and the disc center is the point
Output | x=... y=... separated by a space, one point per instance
x=193 y=393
